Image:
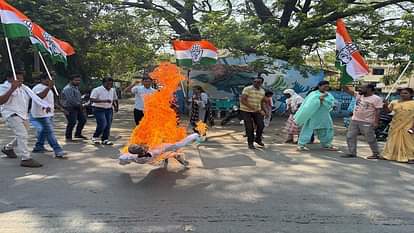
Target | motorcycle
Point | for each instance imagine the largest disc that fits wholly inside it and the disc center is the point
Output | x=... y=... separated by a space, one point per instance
x=235 y=112
x=381 y=132
x=87 y=105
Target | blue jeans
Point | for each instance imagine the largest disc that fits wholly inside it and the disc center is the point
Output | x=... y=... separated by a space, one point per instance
x=103 y=122
x=45 y=131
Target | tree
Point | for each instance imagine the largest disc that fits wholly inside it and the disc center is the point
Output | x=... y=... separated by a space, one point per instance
x=108 y=41
x=285 y=29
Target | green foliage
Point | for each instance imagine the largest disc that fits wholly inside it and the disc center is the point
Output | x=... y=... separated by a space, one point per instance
x=108 y=41
x=123 y=38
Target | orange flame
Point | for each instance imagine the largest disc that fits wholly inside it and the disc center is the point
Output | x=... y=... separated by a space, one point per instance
x=159 y=124
x=201 y=128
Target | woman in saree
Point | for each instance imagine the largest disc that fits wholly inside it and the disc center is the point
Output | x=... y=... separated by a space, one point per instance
x=314 y=117
x=400 y=143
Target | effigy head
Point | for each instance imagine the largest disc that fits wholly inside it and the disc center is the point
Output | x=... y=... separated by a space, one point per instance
x=137 y=149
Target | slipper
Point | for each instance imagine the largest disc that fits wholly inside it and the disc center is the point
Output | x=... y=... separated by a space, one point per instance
x=302 y=148
x=331 y=148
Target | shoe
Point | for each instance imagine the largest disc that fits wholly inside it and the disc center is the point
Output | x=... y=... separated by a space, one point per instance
x=9 y=152
x=260 y=143
x=60 y=155
x=252 y=147
x=81 y=137
x=410 y=162
x=107 y=142
x=374 y=157
x=44 y=150
x=30 y=163
x=348 y=156
x=96 y=141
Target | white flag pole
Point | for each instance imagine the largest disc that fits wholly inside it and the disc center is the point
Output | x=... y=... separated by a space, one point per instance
x=47 y=71
x=10 y=57
x=398 y=80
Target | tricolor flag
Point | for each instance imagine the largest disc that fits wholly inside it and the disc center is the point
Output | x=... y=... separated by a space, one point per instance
x=14 y=23
x=190 y=53
x=45 y=43
x=348 y=59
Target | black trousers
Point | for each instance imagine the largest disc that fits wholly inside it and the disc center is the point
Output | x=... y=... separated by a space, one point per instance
x=138 y=115
x=76 y=115
x=250 y=120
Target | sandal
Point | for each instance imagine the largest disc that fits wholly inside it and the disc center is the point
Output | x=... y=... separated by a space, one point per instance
x=331 y=148
x=302 y=148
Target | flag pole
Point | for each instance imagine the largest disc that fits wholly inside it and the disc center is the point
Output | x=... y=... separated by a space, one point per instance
x=8 y=49
x=188 y=82
x=188 y=88
x=10 y=57
x=47 y=71
x=398 y=80
x=183 y=89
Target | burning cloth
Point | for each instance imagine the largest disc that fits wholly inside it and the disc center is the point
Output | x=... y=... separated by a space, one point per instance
x=158 y=137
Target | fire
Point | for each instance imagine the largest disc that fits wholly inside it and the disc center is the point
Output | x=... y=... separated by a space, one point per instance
x=159 y=124
x=201 y=128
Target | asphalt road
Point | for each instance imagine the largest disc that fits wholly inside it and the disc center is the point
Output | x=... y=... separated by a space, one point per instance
x=227 y=189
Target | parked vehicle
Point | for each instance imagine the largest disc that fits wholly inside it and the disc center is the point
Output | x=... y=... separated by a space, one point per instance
x=87 y=105
x=235 y=112
x=381 y=132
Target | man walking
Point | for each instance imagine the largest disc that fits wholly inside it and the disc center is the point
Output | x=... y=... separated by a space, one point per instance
x=71 y=101
x=252 y=110
x=140 y=91
x=14 y=101
x=104 y=99
x=43 y=121
x=364 y=120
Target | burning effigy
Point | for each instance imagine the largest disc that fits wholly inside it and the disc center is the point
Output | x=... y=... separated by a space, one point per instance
x=158 y=137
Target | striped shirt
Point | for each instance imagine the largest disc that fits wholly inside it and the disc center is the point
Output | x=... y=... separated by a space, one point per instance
x=71 y=96
x=254 y=98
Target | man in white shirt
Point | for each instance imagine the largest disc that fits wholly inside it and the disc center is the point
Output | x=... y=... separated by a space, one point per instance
x=14 y=101
x=140 y=91
x=104 y=99
x=43 y=121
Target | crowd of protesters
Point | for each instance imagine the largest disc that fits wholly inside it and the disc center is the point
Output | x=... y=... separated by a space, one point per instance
x=308 y=117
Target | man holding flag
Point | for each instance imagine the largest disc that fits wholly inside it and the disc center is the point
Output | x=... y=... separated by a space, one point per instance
x=365 y=120
x=368 y=105
x=14 y=101
x=14 y=95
